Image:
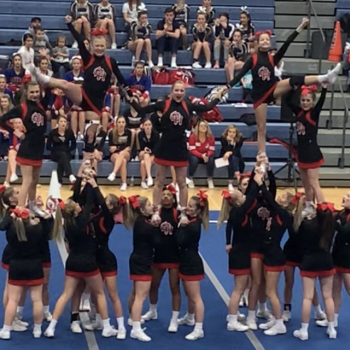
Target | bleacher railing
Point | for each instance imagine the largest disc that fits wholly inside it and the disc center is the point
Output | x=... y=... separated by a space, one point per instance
x=312 y=11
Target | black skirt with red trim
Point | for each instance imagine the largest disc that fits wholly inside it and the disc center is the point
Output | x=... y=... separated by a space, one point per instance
x=81 y=265
x=107 y=262
x=267 y=97
x=239 y=261
x=317 y=264
x=293 y=253
x=274 y=259
x=140 y=267
x=6 y=257
x=91 y=103
x=29 y=162
x=341 y=258
x=26 y=272
x=191 y=265
x=309 y=155
x=47 y=255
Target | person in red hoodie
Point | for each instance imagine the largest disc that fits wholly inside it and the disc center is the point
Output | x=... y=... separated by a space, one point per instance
x=201 y=146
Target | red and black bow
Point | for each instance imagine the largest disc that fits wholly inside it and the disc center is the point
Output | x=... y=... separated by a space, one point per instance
x=134 y=201
x=297 y=197
x=171 y=189
x=21 y=213
x=98 y=32
x=307 y=89
x=326 y=206
x=226 y=194
x=203 y=197
x=122 y=200
x=268 y=32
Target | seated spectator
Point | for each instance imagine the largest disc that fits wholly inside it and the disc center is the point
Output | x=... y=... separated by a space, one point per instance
x=167 y=34
x=56 y=107
x=76 y=113
x=140 y=38
x=105 y=16
x=82 y=13
x=237 y=51
x=182 y=16
x=43 y=65
x=61 y=143
x=5 y=104
x=223 y=31
x=202 y=33
x=148 y=139
x=35 y=23
x=3 y=89
x=231 y=144
x=201 y=146
x=60 y=58
x=26 y=51
x=245 y=24
x=208 y=11
x=130 y=10
x=15 y=74
x=140 y=84
x=41 y=47
x=119 y=148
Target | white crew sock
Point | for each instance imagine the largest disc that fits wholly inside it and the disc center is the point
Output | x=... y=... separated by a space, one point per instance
x=120 y=321
x=175 y=316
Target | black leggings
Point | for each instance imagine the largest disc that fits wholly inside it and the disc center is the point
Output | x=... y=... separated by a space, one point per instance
x=63 y=164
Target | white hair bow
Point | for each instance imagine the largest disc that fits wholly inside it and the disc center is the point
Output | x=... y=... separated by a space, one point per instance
x=244 y=9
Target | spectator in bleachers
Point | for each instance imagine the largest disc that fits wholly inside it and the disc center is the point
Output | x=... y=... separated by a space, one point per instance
x=130 y=10
x=182 y=16
x=237 y=51
x=41 y=47
x=61 y=143
x=245 y=24
x=35 y=23
x=119 y=149
x=223 y=31
x=56 y=107
x=208 y=11
x=140 y=38
x=105 y=19
x=3 y=89
x=231 y=144
x=43 y=66
x=201 y=146
x=26 y=51
x=5 y=104
x=202 y=33
x=140 y=84
x=60 y=56
x=82 y=13
x=148 y=139
x=168 y=34
x=15 y=74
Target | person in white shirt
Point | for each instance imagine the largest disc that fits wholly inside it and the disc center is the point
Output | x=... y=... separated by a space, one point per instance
x=26 y=51
x=130 y=11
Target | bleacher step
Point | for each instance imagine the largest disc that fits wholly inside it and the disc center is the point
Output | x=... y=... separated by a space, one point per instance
x=305 y=66
x=337 y=119
x=290 y=21
x=297 y=7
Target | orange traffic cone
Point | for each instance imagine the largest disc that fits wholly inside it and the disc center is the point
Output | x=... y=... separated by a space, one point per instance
x=335 y=51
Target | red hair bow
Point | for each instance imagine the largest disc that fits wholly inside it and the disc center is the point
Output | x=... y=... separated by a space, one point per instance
x=296 y=197
x=2 y=188
x=202 y=197
x=26 y=79
x=245 y=175
x=226 y=194
x=122 y=200
x=268 y=32
x=61 y=204
x=98 y=32
x=134 y=201
x=171 y=189
x=21 y=213
x=326 y=206
x=307 y=89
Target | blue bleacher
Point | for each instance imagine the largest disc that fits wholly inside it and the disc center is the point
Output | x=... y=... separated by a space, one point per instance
x=341 y=4
x=15 y=17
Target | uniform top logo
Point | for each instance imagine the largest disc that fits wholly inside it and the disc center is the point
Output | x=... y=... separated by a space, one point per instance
x=100 y=74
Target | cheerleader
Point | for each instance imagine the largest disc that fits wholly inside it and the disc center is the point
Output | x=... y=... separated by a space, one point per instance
x=140 y=38
x=238 y=235
x=191 y=270
x=103 y=222
x=316 y=233
x=148 y=138
x=341 y=258
x=105 y=15
x=202 y=33
x=140 y=262
x=82 y=261
x=182 y=15
x=98 y=70
x=172 y=146
x=25 y=235
x=310 y=157
x=56 y=107
x=266 y=87
x=166 y=257
x=31 y=150
x=294 y=256
x=208 y=10
x=245 y=24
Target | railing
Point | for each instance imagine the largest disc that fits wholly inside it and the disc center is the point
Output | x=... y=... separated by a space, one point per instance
x=312 y=11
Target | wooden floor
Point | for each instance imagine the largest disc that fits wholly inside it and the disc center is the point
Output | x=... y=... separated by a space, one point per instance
x=333 y=195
